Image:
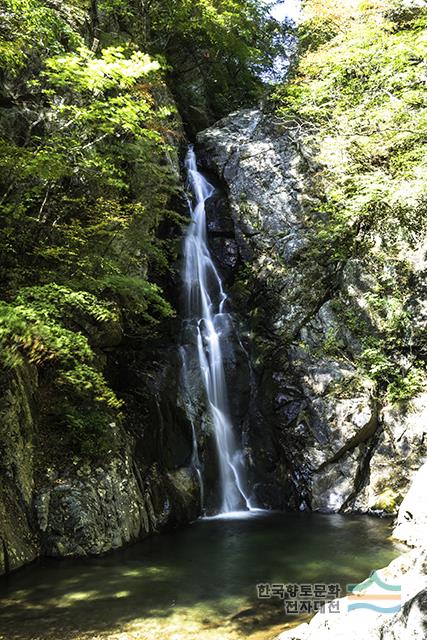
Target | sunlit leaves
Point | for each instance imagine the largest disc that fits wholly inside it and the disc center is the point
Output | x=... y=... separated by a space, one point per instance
x=228 y=44
x=363 y=97
x=84 y=71
x=29 y=28
x=84 y=187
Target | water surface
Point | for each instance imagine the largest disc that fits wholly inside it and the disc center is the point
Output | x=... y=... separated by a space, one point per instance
x=198 y=583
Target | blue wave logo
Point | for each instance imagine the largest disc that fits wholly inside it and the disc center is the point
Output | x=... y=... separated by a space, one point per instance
x=378 y=602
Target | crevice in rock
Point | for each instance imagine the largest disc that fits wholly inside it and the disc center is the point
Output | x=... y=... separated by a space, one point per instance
x=363 y=470
x=360 y=437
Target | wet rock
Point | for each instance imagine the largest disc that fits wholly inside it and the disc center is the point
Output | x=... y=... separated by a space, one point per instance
x=57 y=505
x=91 y=511
x=19 y=543
x=315 y=436
x=95 y=510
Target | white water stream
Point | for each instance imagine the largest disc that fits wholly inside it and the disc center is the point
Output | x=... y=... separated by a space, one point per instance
x=206 y=310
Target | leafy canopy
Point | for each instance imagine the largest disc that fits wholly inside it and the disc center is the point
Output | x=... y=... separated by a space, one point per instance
x=85 y=184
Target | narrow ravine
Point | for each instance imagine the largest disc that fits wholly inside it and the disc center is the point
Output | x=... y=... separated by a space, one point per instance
x=213 y=320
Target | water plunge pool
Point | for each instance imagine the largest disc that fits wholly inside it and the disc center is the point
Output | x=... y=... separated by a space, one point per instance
x=197 y=583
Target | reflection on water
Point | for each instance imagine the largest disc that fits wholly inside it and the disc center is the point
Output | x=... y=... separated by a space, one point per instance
x=196 y=583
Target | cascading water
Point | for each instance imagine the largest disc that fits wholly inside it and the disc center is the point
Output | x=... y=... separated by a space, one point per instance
x=206 y=311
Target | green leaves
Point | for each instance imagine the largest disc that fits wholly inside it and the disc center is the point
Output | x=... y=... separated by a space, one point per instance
x=361 y=97
x=217 y=51
x=82 y=70
x=357 y=101
x=69 y=188
x=33 y=327
x=29 y=28
x=85 y=184
x=55 y=302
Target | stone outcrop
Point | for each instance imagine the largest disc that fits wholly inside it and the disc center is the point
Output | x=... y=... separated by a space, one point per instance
x=409 y=623
x=96 y=510
x=411 y=524
x=56 y=506
x=316 y=435
x=18 y=541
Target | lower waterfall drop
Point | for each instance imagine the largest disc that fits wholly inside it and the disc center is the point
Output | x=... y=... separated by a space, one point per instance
x=205 y=310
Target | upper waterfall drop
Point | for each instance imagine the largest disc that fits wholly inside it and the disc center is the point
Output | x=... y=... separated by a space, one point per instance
x=206 y=309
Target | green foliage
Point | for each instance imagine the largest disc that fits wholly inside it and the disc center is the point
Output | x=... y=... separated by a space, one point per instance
x=29 y=29
x=357 y=100
x=144 y=298
x=376 y=171
x=316 y=32
x=399 y=381
x=55 y=302
x=85 y=183
x=382 y=326
x=387 y=501
x=32 y=326
x=88 y=432
x=332 y=345
x=407 y=15
x=224 y=44
x=82 y=71
x=70 y=183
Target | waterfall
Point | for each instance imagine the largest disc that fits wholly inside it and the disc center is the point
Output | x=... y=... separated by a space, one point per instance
x=206 y=311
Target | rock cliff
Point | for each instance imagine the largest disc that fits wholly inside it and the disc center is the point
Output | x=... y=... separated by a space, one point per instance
x=318 y=433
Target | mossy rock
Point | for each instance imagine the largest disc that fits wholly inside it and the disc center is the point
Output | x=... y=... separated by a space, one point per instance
x=387 y=501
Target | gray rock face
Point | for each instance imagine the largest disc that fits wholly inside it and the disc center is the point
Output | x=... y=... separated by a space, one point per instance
x=411 y=623
x=18 y=540
x=398 y=453
x=65 y=507
x=316 y=434
x=91 y=512
x=411 y=525
x=97 y=510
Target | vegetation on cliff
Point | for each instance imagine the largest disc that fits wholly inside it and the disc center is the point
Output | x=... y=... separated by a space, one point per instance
x=357 y=100
x=88 y=174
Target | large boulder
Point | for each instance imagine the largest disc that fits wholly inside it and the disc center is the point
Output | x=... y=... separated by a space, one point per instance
x=411 y=525
x=98 y=509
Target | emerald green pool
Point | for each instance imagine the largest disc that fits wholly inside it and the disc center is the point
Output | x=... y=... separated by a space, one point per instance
x=196 y=583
